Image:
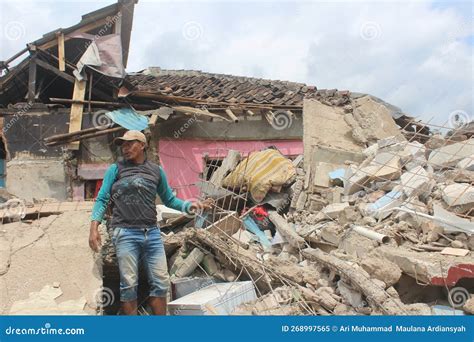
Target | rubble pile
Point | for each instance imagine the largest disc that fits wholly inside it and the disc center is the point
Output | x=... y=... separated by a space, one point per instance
x=389 y=233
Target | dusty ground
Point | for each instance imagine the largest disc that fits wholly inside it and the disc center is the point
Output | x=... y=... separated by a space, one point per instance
x=50 y=250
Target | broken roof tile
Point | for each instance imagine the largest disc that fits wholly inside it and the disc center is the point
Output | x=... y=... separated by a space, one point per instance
x=219 y=87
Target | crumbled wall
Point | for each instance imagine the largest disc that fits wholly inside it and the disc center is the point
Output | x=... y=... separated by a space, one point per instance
x=37 y=178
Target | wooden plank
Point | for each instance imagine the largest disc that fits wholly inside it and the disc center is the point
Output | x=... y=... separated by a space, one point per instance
x=196 y=111
x=227 y=226
x=4 y=64
x=54 y=70
x=53 y=42
x=32 y=79
x=455 y=251
x=75 y=119
x=79 y=137
x=152 y=120
x=61 y=54
x=97 y=103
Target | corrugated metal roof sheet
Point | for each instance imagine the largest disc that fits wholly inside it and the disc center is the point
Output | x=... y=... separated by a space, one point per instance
x=129 y=119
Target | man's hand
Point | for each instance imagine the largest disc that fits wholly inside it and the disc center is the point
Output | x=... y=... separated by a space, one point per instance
x=94 y=237
x=202 y=205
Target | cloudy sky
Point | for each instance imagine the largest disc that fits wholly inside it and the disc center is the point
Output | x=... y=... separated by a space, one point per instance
x=417 y=55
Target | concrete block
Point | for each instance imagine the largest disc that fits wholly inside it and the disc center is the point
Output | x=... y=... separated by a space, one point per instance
x=450 y=155
x=353 y=297
x=425 y=266
x=458 y=194
x=354 y=180
x=321 y=174
x=333 y=210
x=382 y=269
x=190 y=263
x=384 y=166
x=466 y=163
x=323 y=125
x=415 y=182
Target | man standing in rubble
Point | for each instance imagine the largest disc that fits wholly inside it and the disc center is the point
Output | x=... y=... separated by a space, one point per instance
x=131 y=187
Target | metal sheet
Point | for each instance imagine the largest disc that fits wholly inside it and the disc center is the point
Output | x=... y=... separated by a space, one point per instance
x=128 y=118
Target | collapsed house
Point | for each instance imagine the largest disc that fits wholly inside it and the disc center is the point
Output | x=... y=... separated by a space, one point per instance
x=327 y=201
x=61 y=106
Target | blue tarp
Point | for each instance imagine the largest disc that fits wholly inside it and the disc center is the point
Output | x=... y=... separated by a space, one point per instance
x=128 y=118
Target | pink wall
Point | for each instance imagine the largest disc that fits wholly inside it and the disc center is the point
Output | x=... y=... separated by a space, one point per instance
x=183 y=161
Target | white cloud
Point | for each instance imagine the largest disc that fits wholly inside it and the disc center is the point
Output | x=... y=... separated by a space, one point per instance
x=412 y=54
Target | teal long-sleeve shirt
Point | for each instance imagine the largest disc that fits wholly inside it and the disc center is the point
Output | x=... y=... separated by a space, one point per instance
x=163 y=190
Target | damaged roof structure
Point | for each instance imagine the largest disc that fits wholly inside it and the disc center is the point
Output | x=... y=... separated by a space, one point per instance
x=360 y=209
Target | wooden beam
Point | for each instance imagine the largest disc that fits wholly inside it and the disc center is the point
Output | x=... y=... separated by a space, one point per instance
x=78 y=138
x=53 y=42
x=196 y=111
x=66 y=76
x=67 y=136
x=152 y=120
x=125 y=21
x=61 y=52
x=54 y=70
x=75 y=119
x=175 y=99
x=98 y=103
x=32 y=79
x=231 y=115
x=4 y=64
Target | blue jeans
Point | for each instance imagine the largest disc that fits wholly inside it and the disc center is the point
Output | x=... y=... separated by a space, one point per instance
x=135 y=245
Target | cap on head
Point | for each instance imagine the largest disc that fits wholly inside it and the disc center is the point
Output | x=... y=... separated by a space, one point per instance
x=130 y=136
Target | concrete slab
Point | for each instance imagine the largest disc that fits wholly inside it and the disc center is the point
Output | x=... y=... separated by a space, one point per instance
x=450 y=155
x=430 y=268
x=324 y=125
x=321 y=174
x=466 y=163
x=415 y=182
x=458 y=194
x=334 y=210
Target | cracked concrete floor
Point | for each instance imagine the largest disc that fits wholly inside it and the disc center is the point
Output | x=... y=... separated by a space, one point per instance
x=48 y=251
